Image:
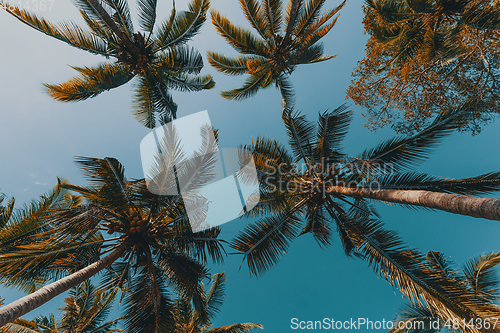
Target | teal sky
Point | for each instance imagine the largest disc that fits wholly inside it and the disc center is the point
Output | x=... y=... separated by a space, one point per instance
x=40 y=138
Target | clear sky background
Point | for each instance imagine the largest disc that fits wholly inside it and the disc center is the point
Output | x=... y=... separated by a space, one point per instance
x=39 y=139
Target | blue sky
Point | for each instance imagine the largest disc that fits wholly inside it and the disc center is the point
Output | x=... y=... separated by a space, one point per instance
x=40 y=138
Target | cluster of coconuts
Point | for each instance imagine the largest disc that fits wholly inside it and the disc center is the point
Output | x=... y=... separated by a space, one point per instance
x=136 y=224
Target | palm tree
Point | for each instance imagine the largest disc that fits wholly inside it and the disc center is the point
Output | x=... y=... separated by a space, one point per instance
x=477 y=275
x=151 y=251
x=85 y=311
x=284 y=42
x=433 y=28
x=317 y=187
x=17 y=226
x=198 y=319
x=160 y=60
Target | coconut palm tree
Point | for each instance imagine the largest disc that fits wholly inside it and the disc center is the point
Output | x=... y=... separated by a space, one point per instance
x=85 y=311
x=433 y=28
x=316 y=187
x=159 y=59
x=196 y=317
x=17 y=226
x=151 y=249
x=478 y=275
x=285 y=41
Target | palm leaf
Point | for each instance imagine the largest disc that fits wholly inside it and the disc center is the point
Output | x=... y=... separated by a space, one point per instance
x=482 y=277
x=402 y=153
x=240 y=39
x=67 y=32
x=256 y=16
x=273 y=11
x=147 y=14
x=183 y=26
x=93 y=82
x=231 y=66
x=251 y=86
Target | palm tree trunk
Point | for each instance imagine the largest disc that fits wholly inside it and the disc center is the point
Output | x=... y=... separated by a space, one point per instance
x=112 y=25
x=486 y=208
x=30 y=302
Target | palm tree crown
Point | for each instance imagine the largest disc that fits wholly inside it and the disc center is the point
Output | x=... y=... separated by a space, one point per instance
x=159 y=59
x=153 y=250
x=284 y=42
x=316 y=188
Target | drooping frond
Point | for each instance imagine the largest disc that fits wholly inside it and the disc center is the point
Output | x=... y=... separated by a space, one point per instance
x=147 y=14
x=251 y=86
x=404 y=152
x=67 y=32
x=266 y=241
x=152 y=100
x=226 y=65
x=482 y=276
x=93 y=82
x=180 y=59
x=300 y=135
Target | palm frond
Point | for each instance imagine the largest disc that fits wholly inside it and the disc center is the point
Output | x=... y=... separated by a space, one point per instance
x=122 y=16
x=402 y=153
x=483 y=184
x=331 y=131
x=240 y=39
x=152 y=100
x=300 y=134
x=67 y=32
x=93 y=82
x=482 y=277
x=273 y=11
x=147 y=14
x=226 y=65
x=181 y=27
x=180 y=59
x=266 y=241
x=251 y=86
x=256 y=16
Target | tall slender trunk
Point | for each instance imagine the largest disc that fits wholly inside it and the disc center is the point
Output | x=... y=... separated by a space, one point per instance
x=486 y=208
x=30 y=302
x=112 y=25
